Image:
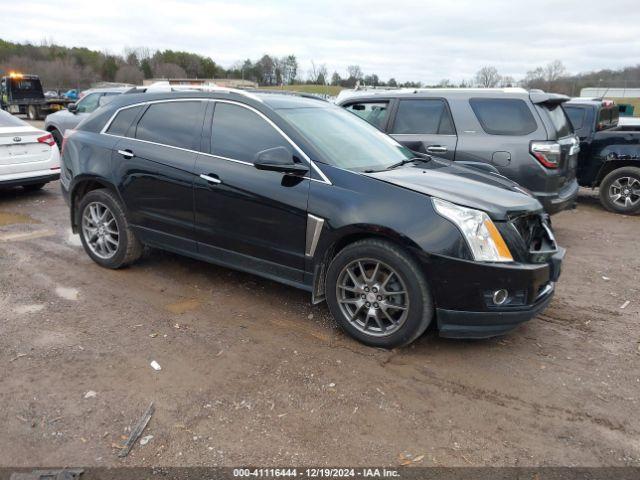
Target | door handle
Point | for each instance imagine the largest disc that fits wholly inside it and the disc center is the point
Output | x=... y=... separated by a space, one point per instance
x=437 y=149
x=210 y=179
x=126 y=153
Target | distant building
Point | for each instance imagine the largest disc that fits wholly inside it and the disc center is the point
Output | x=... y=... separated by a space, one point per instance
x=598 y=92
x=221 y=82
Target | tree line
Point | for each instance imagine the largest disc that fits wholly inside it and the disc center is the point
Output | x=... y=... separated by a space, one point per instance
x=79 y=67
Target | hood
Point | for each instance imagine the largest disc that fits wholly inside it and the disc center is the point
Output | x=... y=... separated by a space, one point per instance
x=61 y=116
x=498 y=196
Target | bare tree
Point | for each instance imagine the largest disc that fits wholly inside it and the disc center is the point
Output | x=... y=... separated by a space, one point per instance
x=323 y=75
x=354 y=72
x=554 y=71
x=507 y=81
x=550 y=77
x=488 y=77
x=168 y=70
x=129 y=74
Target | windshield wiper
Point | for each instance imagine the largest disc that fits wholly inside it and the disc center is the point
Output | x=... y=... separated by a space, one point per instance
x=408 y=160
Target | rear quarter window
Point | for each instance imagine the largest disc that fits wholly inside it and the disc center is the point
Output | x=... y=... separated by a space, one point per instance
x=559 y=120
x=503 y=116
x=123 y=120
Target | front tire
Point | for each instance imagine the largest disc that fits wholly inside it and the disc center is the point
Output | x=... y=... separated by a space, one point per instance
x=105 y=232
x=620 y=191
x=377 y=294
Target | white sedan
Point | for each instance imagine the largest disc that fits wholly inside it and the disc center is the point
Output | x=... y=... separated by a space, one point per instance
x=28 y=157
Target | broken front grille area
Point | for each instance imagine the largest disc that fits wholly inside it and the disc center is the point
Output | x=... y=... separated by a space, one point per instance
x=530 y=238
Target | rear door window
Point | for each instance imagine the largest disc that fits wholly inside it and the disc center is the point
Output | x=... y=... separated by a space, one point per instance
x=123 y=121
x=376 y=113
x=239 y=134
x=428 y=116
x=178 y=124
x=504 y=116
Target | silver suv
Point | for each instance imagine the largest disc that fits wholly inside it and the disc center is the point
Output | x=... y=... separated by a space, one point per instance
x=57 y=123
x=524 y=134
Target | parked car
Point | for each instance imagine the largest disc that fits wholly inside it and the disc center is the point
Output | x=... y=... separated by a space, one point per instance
x=300 y=191
x=72 y=94
x=609 y=153
x=57 y=123
x=28 y=156
x=525 y=135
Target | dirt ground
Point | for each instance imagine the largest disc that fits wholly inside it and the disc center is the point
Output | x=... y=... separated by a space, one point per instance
x=253 y=374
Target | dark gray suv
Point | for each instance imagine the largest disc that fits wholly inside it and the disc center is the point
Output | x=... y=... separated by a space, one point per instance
x=525 y=135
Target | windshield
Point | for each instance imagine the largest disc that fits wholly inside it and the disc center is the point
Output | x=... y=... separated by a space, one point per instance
x=345 y=140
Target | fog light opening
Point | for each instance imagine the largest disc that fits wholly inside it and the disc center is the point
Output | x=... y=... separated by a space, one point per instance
x=500 y=296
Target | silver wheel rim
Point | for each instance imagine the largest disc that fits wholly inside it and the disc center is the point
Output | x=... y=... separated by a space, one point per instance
x=625 y=192
x=100 y=230
x=373 y=297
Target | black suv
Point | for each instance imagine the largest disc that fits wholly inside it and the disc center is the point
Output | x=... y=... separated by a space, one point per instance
x=303 y=192
x=525 y=135
x=609 y=153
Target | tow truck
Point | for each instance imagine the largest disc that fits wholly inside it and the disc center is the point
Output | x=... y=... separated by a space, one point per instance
x=22 y=94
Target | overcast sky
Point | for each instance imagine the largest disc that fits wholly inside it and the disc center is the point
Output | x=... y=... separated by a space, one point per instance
x=409 y=40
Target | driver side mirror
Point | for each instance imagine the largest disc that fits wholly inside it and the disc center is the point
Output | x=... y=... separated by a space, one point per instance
x=278 y=159
x=72 y=107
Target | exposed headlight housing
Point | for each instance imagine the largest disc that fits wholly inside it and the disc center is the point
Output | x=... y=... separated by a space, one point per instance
x=482 y=236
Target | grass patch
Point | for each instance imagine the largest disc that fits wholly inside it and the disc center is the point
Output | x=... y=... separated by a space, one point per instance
x=316 y=89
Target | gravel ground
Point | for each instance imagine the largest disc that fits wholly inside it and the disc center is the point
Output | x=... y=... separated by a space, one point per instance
x=253 y=374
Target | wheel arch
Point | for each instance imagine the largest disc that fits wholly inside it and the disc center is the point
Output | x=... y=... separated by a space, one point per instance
x=612 y=165
x=345 y=237
x=82 y=186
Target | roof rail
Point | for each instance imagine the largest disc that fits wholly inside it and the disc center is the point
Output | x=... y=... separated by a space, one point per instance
x=165 y=86
x=288 y=92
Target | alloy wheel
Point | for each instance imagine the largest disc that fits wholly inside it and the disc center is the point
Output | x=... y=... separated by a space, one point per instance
x=373 y=297
x=625 y=191
x=100 y=230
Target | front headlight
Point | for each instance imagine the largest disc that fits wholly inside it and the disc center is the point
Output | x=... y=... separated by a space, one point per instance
x=482 y=236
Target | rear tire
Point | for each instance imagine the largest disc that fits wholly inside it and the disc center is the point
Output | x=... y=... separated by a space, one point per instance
x=105 y=232
x=387 y=306
x=620 y=191
x=33 y=112
x=57 y=137
x=33 y=187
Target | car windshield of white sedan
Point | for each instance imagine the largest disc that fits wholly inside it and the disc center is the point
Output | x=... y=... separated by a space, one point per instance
x=345 y=140
x=8 y=120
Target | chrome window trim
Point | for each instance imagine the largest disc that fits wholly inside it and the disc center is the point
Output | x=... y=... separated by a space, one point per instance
x=242 y=162
x=324 y=178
